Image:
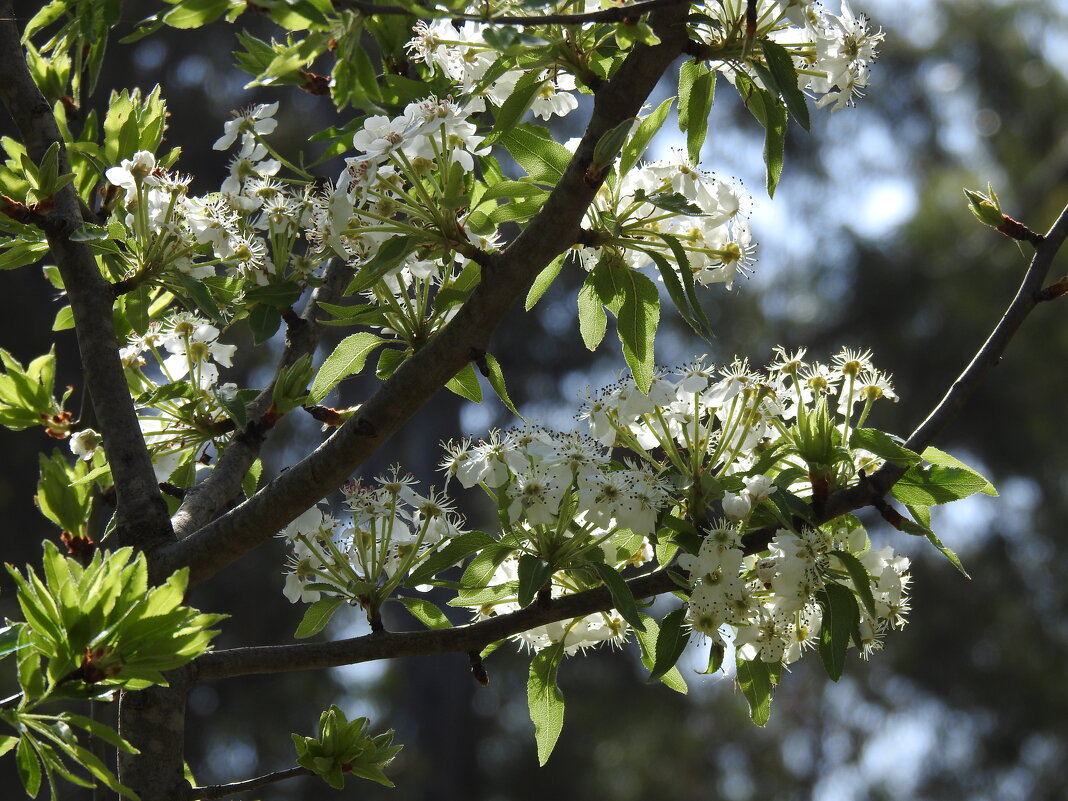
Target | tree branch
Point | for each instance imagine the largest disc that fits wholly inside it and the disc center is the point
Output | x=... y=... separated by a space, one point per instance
x=141 y=514
x=206 y=500
x=388 y=645
x=504 y=280
x=1027 y=297
x=223 y=790
x=627 y=13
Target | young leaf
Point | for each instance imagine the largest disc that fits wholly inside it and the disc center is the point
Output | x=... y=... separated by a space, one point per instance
x=647 y=640
x=946 y=552
x=457 y=549
x=841 y=615
x=643 y=135
x=930 y=485
x=885 y=446
x=698 y=107
x=426 y=613
x=544 y=281
x=534 y=574
x=496 y=380
x=518 y=103
x=781 y=67
x=621 y=594
x=670 y=642
x=347 y=359
x=943 y=459
x=543 y=159
x=636 y=322
x=465 y=384
x=593 y=322
x=545 y=701
x=28 y=765
x=317 y=616
x=754 y=680
x=861 y=579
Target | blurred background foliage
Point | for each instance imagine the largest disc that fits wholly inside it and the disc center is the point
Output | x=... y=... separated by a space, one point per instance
x=868 y=244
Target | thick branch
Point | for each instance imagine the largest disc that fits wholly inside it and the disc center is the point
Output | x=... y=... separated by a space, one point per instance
x=504 y=280
x=627 y=13
x=206 y=500
x=386 y=645
x=141 y=514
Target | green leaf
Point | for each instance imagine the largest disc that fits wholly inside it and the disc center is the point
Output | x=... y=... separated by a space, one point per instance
x=697 y=91
x=465 y=384
x=930 y=485
x=622 y=597
x=393 y=251
x=101 y=731
x=781 y=67
x=544 y=281
x=29 y=766
x=347 y=359
x=841 y=615
x=774 y=145
x=196 y=13
x=426 y=613
x=861 y=580
x=609 y=146
x=593 y=322
x=454 y=552
x=754 y=680
x=199 y=294
x=496 y=380
x=885 y=446
x=317 y=616
x=544 y=159
x=670 y=642
x=943 y=459
x=545 y=701
x=683 y=263
x=636 y=323
x=534 y=574
x=771 y=114
x=946 y=552
x=647 y=640
x=643 y=135
x=515 y=106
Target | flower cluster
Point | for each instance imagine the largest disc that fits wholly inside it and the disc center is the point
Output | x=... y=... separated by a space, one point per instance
x=249 y=227
x=462 y=55
x=173 y=370
x=390 y=531
x=831 y=52
x=672 y=201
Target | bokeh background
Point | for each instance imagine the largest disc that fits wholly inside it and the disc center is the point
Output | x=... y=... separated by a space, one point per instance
x=868 y=244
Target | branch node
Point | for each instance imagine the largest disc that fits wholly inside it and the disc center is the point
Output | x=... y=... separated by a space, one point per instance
x=478 y=670
x=1053 y=291
x=365 y=428
x=1014 y=229
x=478 y=356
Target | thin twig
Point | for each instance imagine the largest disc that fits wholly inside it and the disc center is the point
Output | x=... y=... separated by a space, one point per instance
x=223 y=790
x=987 y=357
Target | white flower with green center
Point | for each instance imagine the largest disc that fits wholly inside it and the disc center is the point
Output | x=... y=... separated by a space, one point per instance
x=193 y=351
